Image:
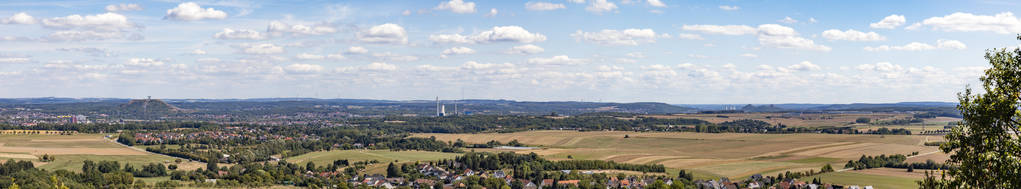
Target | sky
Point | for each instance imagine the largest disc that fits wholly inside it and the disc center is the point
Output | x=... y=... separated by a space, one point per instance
x=680 y=52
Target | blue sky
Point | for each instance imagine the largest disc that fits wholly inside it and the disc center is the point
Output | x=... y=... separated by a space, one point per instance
x=670 y=51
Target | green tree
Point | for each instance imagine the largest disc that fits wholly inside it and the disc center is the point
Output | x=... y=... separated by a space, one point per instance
x=392 y=170
x=986 y=145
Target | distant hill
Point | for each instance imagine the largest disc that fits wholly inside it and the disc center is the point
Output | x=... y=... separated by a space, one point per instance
x=137 y=106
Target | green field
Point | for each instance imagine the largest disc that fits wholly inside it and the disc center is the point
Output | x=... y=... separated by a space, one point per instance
x=877 y=181
x=71 y=150
x=327 y=157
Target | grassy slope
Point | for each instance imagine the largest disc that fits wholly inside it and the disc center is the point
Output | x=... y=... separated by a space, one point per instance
x=877 y=181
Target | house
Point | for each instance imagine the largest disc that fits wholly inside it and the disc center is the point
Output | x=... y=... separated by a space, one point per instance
x=499 y=174
x=568 y=182
x=547 y=182
x=530 y=185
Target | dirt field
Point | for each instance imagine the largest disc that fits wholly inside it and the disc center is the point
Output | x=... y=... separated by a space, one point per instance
x=733 y=155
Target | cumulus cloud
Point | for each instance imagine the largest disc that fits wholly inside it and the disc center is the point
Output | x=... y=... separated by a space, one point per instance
x=880 y=67
x=457 y=6
x=307 y=56
x=772 y=35
x=496 y=34
x=15 y=60
x=1002 y=23
x=144 y=62
x=262 y=49
x=103 y=22
x=384 y=33
x=617 y=37
x=380 y=66
x=556 y=60
x=804 y=66
x=787 y=20
x=656 y=3
x=389 y=56
x=191 y=11
x=689 y=36
x=918 y=46
x=600 y=6
x=75 y=35
x=92 y=51
x=729 y=8
x=357 y=50
x=458 y=51
x=228 y=33
x=492 y=12
x=303 y=68
x=198 y=52
x=278 y=28
x=543 y=6
x=19 y=18
x=851 y=35
x=123 y=7
x=749 y=55
x=890 y=22
x=721 y=29
x=525 y=49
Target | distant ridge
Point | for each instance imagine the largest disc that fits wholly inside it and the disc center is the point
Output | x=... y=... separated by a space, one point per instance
x=149 y=106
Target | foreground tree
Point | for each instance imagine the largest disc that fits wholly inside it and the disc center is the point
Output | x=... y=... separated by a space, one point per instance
x=986 y=146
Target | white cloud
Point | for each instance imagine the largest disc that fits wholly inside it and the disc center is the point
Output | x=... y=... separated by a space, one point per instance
x=918 y=46
x=890 y=22
x=721 y=29
x=772 y=35
x=852 y=35
x=92 y=51
x=307 y=56
x=1002 y=23
x=749 y=55
x=262 y=49
x=228 y=33
x=556 y=60
x=492 y=12
x=389 y=56
x=458 y=51
x=617 y=37
x=385 y=33
x=787 y=20
x=191 y=11
x=105 y=22
x=74 y=35
x=635 y=54
x=880 y=67
x=14 y=60
x=729 y=8
x=380 y=66
x=457 y=6
x=357 y=50
x=303 y=68
x=656 y=3
x=525 y=49
x=689 y=36
x=497 y=34
x=198 y=52
x=278 y=28
x=812 y=20
x=144 y=62
x=19 y=18
x=600 y=6
x=804 y=66
x=123 y=7
x=576 y=1
x=543 y=6
x=406 y=13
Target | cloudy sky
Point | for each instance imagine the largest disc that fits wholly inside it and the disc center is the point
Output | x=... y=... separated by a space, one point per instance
x=544 y=50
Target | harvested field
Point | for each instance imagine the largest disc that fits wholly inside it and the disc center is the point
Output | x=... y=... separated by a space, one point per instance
x=733 y=155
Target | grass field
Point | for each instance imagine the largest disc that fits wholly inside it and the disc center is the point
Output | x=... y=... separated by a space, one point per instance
x=861 y=178
x=71 y=150
x=733 y=155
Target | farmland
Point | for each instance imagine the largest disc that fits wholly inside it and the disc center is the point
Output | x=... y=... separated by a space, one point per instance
x=733 y=155
x=327 y=157
x=71 y=150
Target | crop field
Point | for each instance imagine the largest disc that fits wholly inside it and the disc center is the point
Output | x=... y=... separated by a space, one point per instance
x=71 y=150
x=813 y=120
x=733 y=155
x=877 y=178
